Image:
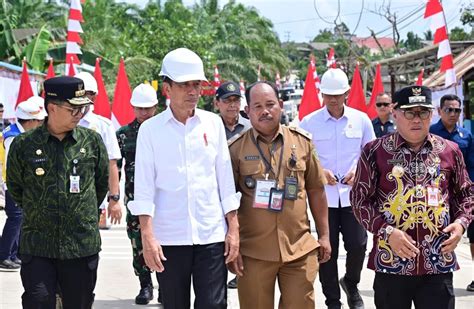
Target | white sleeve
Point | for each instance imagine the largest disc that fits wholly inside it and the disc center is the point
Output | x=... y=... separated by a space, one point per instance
x=144 y=194
x=230 y=200
x=368 y=133
x=111 y=142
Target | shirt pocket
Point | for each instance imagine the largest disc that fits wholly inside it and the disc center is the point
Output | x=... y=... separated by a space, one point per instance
x=249 y=173
x=353 y=142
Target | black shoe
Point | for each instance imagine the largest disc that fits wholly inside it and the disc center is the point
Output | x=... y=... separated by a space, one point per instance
x=354 y=300
x=9 y=265
x=145 y=295
x=232 y=283
x=470 y=287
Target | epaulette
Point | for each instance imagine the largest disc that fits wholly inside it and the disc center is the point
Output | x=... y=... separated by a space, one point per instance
x=301 y=131
x=232 y=140
x=106 y=120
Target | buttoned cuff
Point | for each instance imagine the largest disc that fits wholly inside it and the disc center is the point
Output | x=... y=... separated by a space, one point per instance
x=463 y=221
x=138 y=208
x=231 y=202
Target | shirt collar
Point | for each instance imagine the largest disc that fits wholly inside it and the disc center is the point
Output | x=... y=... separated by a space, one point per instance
x=168 y=114
x=378 y=121
x=441 y=126
x=45 y=134
x=400 y=141
x=20 y=127
x=256 y=134
x=328 y=116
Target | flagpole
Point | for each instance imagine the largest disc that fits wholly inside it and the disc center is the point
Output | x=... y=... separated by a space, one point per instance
x=447 y=34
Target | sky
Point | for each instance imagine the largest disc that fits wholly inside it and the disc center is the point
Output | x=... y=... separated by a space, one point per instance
x=297 y=20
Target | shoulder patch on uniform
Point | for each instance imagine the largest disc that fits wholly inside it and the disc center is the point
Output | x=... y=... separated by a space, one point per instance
x=301 y=131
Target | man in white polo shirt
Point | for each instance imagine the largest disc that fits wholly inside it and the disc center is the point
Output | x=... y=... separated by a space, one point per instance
x=339 y=133
x=185 y=193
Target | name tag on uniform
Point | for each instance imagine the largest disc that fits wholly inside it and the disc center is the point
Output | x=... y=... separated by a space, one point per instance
x=75 y=184
x=262 y=193
x=276 y=199
x=432 y=196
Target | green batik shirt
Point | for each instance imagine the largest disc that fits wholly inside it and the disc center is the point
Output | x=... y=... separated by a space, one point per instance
x=57 y=223
x=127 y=140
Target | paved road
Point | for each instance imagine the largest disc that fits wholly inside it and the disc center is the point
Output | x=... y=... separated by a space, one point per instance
x=117 y=286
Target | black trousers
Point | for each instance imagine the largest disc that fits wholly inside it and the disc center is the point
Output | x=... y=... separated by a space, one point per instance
x=206 y=265
x=426 y=292
x=41 y=277
x=342 y=220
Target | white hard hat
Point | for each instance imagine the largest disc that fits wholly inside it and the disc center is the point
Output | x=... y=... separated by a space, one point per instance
x=182 y=65
x=32 y=108
x=90 y=84
x=144 y=96
x=334 y=82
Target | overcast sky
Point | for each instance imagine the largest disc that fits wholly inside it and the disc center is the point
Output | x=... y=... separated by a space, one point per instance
x=297 y=20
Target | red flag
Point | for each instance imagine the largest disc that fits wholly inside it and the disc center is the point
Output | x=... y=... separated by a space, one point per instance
x=376 y=90
x=50 y=73
x=331 y=60
x=122 y=110
x=419 y=81
x=101 y=104
x=217 y=80
x=71 y=71
x=356 y=98
x=310 y=100
x=25 y=92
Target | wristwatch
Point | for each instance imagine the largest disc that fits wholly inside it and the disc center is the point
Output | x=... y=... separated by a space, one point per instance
x=388 y=231
x=114 y=197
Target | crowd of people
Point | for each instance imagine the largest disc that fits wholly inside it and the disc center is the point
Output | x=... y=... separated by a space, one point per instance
x=205 y=194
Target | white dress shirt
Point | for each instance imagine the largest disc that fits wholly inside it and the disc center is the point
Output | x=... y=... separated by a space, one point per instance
x=183 y=178
x=339 y=143
x=104 y=127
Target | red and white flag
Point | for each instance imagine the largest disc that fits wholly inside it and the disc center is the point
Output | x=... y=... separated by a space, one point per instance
x=242 y=87
x=310 y=100
x=376 y=90
x=122 y=110
x=277 y=80
x=258 y=73
x=331 y=60
x=419 y=81
x=356 y=97
x=25 y=91
x=101 y=103
x=434 y=11
x=217 y=78
x=49 y=74
x=74 y=29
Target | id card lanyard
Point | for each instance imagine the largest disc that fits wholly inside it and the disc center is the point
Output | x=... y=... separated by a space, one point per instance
x=268 y=165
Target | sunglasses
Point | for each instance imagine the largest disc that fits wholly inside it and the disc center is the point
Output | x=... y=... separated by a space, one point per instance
x=449 y=110
x=231 y=100
x=380 y=104
x=76 y=110
x=423 y=114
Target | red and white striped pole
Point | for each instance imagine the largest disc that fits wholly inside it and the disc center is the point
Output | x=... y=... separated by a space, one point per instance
x=434 y=11
x=73 y=34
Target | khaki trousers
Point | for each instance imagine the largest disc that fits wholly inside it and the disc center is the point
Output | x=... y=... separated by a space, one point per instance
x=256 y=287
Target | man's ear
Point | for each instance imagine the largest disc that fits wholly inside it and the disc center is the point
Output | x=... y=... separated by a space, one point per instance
x=280 y=101
x=247 y=109
x=216 y=106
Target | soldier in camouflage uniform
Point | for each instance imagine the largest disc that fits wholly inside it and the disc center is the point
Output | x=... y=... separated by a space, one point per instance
x=144 y=101
x=58 y=175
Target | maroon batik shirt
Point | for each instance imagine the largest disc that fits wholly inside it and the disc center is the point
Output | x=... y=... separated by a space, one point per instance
x=391 y=187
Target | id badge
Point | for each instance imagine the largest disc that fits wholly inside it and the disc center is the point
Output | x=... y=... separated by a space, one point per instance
x=291 y=188
x=276 y=199
x=75 y=184
x=432 y=196
x=262 y=193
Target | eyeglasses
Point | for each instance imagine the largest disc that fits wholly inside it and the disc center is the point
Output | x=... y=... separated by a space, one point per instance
x=449 y=110
x=76 y=110
x=423 y=114
x=231 y=100
x=380 y=104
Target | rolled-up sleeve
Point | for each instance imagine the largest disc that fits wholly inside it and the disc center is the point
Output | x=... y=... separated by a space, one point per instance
x=144 y=195
x=230 y=200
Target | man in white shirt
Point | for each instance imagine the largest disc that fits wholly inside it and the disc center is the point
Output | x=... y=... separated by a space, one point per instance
x=339 y=134
x=104 y=127
x=185 y=193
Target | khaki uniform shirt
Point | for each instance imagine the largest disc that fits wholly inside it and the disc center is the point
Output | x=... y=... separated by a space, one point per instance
x=276 y=236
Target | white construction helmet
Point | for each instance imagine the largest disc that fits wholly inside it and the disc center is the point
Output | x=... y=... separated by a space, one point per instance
x=334 y=82
x=144 y=96
x=90 y=84
x=182 y=65
x=32 y=108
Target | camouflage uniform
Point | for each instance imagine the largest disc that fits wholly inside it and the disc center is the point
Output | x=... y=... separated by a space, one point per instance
x=127 y=139
x=58 y=224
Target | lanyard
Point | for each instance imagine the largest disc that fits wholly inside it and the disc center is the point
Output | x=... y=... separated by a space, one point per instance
x=268 y=165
